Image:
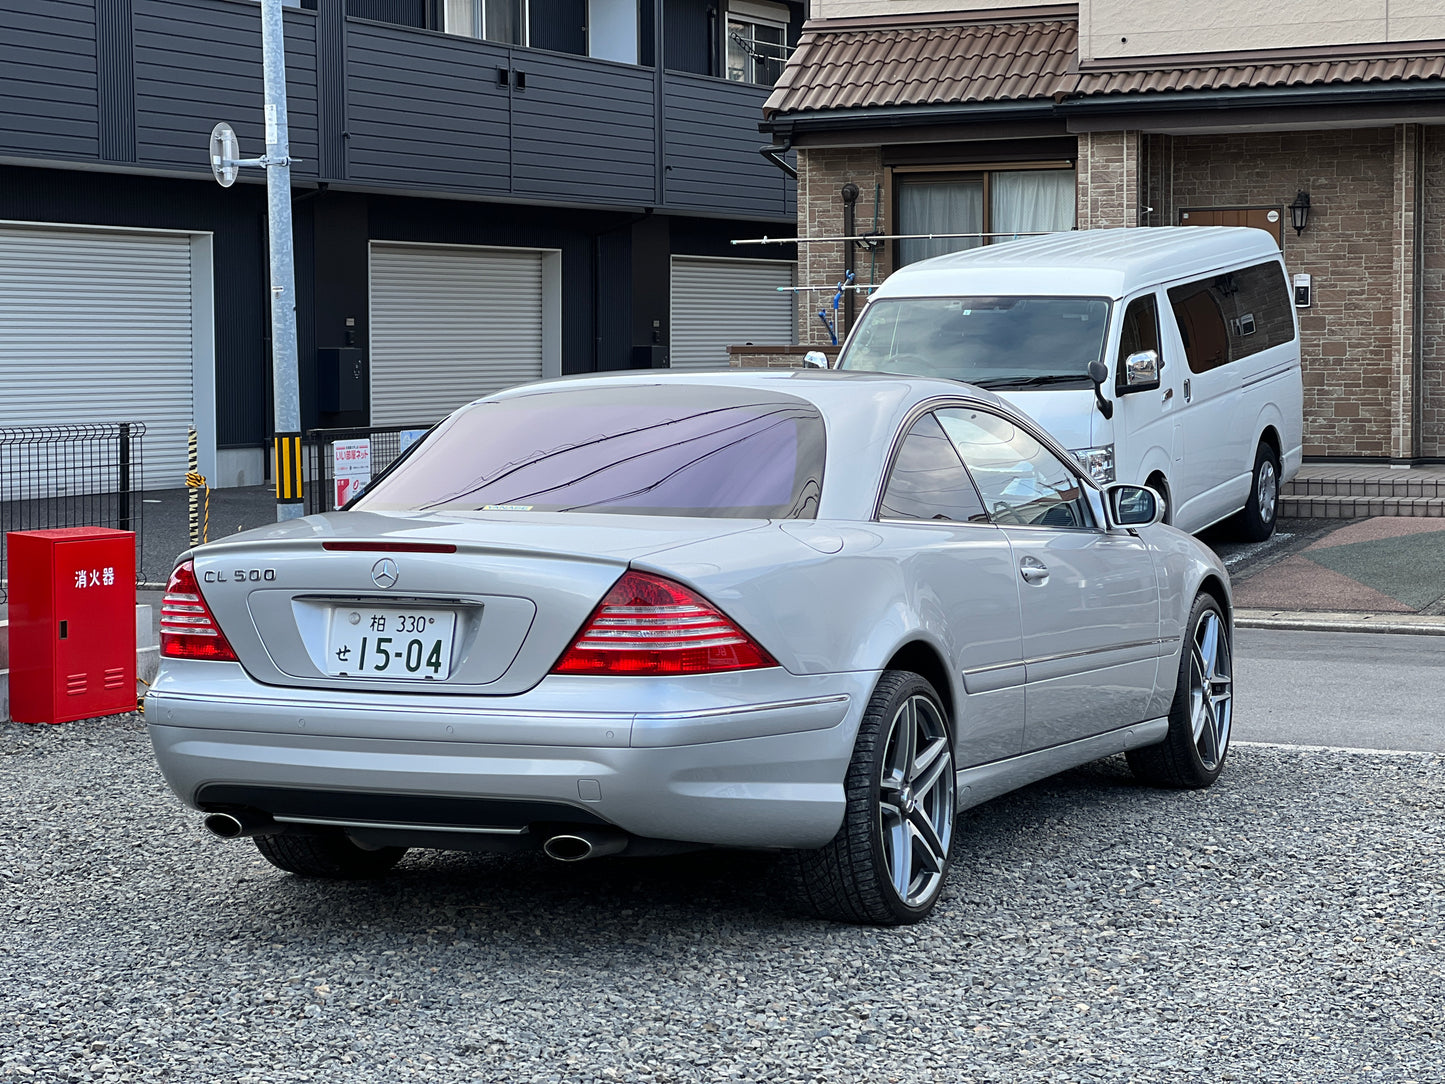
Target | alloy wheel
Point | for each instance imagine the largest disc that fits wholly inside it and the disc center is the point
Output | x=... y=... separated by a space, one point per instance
x=1211 y=689
x=916 y=800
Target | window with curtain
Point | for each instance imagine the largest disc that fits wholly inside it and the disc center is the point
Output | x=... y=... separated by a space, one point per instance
x=997 y=202
x=495 y=20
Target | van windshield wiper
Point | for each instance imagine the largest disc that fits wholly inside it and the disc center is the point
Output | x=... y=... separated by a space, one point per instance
x=1033 y=381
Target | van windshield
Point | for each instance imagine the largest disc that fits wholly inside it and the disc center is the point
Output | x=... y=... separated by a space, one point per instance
x=994 y=342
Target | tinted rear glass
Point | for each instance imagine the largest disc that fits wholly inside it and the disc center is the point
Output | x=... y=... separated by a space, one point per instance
x=646 y=449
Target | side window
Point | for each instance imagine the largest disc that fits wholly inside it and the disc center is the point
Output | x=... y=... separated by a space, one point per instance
x=928 y=480
x=1233 y=315
x=1140 y=331
x=1021 y=481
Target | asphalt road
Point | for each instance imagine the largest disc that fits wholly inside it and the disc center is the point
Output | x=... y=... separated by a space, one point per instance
x=1339 y=689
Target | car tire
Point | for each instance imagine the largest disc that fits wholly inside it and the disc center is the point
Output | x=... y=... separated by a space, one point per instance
x=1256 y=522
x=326 y=854
x=889 y=861
x=1192 y=754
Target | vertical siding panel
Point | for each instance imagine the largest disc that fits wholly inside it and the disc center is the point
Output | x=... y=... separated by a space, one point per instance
x=115 y=63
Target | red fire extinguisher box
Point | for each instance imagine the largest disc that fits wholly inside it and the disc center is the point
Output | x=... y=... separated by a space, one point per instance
x=72 y=623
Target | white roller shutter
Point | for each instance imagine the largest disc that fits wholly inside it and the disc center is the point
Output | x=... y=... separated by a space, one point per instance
x=717 y=303
x=448 y=324
x=97 y=326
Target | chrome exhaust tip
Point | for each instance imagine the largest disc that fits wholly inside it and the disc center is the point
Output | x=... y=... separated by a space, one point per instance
x=582 y=844
x=238 y=825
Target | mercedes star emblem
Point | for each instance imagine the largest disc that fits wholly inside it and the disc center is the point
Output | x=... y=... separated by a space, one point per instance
x=385 y=573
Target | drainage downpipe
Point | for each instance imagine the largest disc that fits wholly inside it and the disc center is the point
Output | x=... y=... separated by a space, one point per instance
x=583 y=843
x=240 y=824
x=774 y=154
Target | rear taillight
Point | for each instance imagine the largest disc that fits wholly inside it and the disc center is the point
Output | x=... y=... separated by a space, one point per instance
x=649 y=625
x=188 y=630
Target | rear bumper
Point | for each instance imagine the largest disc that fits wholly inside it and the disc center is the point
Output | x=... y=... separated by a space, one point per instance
x=755 y=770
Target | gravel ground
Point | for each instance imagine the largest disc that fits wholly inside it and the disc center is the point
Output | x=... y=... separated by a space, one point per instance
x=1286 y=925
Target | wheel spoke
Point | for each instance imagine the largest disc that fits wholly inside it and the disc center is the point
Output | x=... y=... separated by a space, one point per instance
x=934 y=848
x=927 y=765
x=897 y=848
x=904 y=742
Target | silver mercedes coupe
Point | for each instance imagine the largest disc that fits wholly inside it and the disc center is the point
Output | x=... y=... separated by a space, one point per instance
x=807 y=611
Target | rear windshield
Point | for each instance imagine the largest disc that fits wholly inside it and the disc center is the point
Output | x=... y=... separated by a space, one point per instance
x=645 y=449
x=994 y=342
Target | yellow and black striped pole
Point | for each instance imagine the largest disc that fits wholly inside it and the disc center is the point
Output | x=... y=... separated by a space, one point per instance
x=288 y=470
x=192 y=471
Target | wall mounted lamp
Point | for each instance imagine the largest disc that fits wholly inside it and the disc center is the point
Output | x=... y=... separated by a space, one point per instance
x=1299 y=211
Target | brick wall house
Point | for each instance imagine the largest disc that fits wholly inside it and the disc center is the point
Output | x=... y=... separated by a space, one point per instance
x=973 y=102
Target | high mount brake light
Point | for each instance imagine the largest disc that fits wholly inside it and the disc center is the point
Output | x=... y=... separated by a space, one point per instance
x=188 y=629
x=649 y=625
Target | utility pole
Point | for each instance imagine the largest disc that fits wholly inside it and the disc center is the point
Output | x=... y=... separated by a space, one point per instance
x=277 y=163
x=283 y=268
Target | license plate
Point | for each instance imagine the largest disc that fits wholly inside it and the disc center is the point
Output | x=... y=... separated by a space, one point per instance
x=390 y=642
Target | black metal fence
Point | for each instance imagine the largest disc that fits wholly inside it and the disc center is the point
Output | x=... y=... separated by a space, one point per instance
x=70 y=476
x=318 y=458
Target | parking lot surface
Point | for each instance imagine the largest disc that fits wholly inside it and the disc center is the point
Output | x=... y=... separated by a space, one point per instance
x=1286 y=925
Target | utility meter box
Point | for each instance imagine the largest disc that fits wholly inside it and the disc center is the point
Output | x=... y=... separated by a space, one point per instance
x=72 y=623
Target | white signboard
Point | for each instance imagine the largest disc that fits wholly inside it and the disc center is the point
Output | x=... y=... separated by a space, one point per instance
x=350 y=468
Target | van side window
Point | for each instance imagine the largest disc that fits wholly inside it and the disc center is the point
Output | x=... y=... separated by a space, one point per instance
x=1231 y=316
x=1139 y=332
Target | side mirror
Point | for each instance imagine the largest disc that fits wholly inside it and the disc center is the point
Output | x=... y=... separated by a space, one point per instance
x=1141 y=371
x=1098 y=373
x=1133 y=506
x=815 y=359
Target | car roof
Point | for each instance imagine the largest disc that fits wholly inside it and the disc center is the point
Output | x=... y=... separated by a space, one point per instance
x=1083 y=263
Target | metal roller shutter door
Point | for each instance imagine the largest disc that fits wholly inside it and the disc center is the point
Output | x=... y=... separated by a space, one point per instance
x=97 y=327
x=721 y=303
x=449 y=324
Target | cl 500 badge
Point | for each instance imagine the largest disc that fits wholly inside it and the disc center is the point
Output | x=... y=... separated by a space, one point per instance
x=240 y=575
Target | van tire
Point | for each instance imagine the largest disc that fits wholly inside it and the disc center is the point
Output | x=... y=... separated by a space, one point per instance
x=1256 y=522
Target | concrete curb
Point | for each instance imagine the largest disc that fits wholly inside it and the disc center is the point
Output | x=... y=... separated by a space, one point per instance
x=1326 y=621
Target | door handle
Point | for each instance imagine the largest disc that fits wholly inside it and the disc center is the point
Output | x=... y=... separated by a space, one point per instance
x=1033 y=571
x=1187 y=392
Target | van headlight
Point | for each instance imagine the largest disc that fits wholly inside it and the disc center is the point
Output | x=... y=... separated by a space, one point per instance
x=1099 y=462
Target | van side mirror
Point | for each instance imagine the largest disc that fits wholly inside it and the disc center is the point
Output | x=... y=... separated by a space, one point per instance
x=1141 y=371
x=815 y=359
x=1133 y=506
x=1098 y=373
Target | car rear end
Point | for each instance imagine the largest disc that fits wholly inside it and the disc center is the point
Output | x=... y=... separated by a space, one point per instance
x=482 y=675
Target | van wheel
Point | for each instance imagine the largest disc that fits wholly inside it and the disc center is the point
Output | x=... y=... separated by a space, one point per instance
x=1256 y=522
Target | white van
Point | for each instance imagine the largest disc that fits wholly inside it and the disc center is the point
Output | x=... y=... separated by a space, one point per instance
x=1164 y=356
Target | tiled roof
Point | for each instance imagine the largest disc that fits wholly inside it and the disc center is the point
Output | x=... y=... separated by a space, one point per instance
x=876 y=65
x=1301 y=73
x=924 y=65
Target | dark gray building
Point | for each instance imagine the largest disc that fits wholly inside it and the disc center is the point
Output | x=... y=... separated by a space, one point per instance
x=489 y=191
